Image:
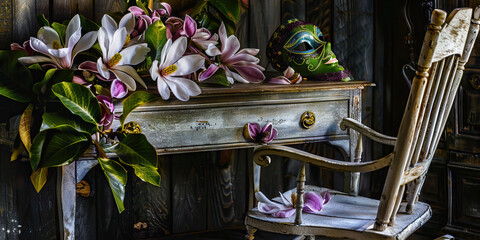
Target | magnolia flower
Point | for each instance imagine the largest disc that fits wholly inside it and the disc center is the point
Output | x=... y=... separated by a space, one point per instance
x=108 y=108
x=174 y=28
x=253 y=132
x=49 y=44
x=243 y=62
x=289 y=77
x=115 y=61
x=26 y=47
x=173 y=64
x=118 y=89
x=201 y=37
x=313 y=203
x=164 y=12
x=142 y=23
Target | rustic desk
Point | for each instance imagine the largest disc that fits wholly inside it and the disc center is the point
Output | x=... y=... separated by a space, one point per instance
x=215 y=120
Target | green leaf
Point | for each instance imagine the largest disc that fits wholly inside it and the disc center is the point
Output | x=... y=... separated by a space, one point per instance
x=148 y=174
x=15 y=78
x=24 y=127
x=228 y=8
x=88 y=25
x=220 y=77
x=39 y=178
x=117 y=179
x=135 y=150
x=135 y=100
x=61 y=30
x=156 y=37
x=42 y=21
x=52 y=76
x=58 y=146
x=79 y=100
x=55 y=119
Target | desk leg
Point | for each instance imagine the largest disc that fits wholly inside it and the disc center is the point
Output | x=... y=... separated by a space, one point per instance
x=67 y=201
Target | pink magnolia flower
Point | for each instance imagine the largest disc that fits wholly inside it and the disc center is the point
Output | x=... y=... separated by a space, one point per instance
x=141 y=25
x=252 y=131
x=26 y=47
x=243 y=62
x=313 y=203
x=201 y=37
x=118 y=89
x=289 y=77
x=174 y=27
x=108 y=108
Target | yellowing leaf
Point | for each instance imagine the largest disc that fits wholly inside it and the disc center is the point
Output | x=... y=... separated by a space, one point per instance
x=24 y=128
x=39 y=178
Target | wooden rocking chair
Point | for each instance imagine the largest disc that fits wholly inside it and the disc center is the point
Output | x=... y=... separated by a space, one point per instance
x=446 y=48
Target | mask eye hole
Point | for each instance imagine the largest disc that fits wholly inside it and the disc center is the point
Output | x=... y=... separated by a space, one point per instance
x=304 y=46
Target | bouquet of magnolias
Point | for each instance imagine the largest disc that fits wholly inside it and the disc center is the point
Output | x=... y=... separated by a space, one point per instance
x=69 y=76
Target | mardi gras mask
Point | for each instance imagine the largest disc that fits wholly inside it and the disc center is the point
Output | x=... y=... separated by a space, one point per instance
x=302 y=47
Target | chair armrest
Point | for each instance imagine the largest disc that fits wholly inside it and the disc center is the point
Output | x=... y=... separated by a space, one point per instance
x=366 y=131
x=261 y=157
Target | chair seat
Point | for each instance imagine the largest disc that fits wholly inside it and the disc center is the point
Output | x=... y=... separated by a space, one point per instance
x=344 y=215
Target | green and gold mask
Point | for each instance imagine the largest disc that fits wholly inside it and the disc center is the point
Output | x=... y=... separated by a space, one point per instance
x=302 y=47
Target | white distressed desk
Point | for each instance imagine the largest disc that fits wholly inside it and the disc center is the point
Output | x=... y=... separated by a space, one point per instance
x=215 y=120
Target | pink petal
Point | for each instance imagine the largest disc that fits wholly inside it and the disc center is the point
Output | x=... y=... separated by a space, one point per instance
x=230 y=47
x=88 y=66
x=189 y=26
x=241 y=57
x=284 y=213
x=326 y=197
x=136 y=11
x=268 y=133
x=253 y=130
x=206 y=74
x=16 y=47
x=118 y=89
x=167 y=7
x=252 y=74
x=78 y=80
x=280 y=80
x=251 y=51
x=313 y=202
x=288 y=73
x=222 y=32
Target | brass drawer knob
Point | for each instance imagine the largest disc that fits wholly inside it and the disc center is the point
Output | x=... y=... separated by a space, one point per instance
x=308 y=119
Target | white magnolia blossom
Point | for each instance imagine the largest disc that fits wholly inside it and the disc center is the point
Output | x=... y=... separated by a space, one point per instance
x=173 y=64
x=116 y=59
x=48 y=43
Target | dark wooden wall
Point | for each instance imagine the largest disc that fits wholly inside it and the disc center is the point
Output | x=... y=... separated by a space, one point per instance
x=199 y=191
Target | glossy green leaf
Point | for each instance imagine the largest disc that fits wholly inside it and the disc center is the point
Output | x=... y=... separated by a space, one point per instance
x=58 y=146
x=52 y=76
x=219 y=78
x=42 y=21
x=39 y=178
x=61 y=30
x=228 y=8
x=148 y=174
x=117 y=179
x=15 y=78
x=24 y=127
x=135 y=150
x=141 y=5
x=135 y=100
x=79 y=100
x=156 y=37
x=55 y=119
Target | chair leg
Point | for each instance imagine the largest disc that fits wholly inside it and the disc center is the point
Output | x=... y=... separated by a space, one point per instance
x=250 y=232
x=397 y=205
x=414 y=193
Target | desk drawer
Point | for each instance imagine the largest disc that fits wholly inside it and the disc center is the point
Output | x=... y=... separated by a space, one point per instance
x=172 y=130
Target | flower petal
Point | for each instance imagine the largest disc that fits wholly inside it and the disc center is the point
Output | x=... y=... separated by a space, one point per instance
x=73 y=27
x=222 y=32
x=136 y=11
x=280 y=80
x=250 y=73
x=127 y=79
x=34 y=59
x=154 y=70
x=38 y=46
x=326 y=196
x=183 y=88
x=88 y=66
x=206 y=74
x=118 y=89
x=189 y=64
x=175 y=52
x=251 y=51
x=110 y=26
x=288 y=73
x=230 y=47
x=253 y=130
x=48 y=36
x=134 y=55
x=241 y=57
x=104 y=42
x=313 y=202
x=102 y=69
x=128 y=22
x=275 y=209
x=163 y=88
x=132 y=72
x=212 y=50
x=167 y=7
x=165 y=50
x=239 y=78
x=189 y=26
x=84 y=43
x=117 y=43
